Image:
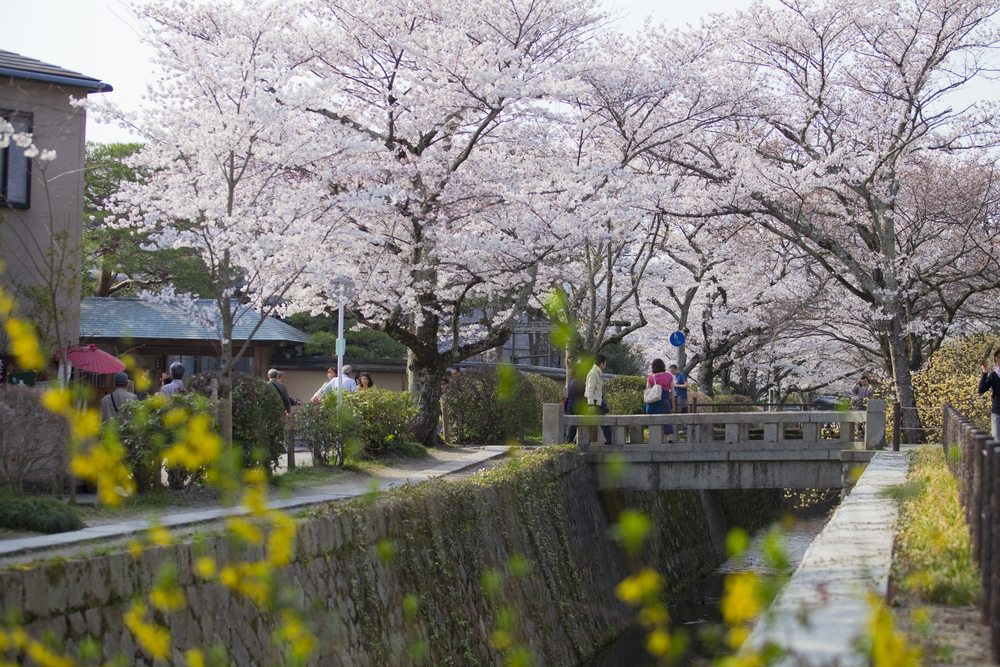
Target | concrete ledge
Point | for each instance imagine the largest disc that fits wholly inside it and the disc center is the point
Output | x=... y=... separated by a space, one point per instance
x=848 y=559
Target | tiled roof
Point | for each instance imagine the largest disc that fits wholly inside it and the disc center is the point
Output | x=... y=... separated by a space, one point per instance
x=21 y=67
x=136 y=318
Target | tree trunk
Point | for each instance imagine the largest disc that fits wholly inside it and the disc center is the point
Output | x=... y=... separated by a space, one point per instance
x=225 y=423
x=425 y=385
x=902 y=379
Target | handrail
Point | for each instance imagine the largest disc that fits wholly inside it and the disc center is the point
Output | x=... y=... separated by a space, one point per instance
x=631 y=429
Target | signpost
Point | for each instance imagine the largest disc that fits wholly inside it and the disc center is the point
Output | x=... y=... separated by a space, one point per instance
x=677 y=338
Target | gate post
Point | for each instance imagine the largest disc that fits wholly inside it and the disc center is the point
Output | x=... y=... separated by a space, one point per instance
x=875 y=425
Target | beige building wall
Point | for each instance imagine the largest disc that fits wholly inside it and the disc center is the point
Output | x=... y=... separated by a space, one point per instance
x=44 y=240
x=303 y=384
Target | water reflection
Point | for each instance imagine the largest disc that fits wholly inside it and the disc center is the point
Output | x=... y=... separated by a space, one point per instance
x=697 y=610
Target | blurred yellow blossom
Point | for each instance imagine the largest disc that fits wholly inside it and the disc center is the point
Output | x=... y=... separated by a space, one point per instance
x=24 y=344
x=205 y=567
x=154 y=639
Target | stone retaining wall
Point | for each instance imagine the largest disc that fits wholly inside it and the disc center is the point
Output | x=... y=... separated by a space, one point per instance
x=446 y=536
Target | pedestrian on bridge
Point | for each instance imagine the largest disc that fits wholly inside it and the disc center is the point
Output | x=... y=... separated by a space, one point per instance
x=595 y=393
x=665 y=380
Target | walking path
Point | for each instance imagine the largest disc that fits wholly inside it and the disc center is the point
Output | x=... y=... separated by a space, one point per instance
x=386 y=479
x=848 y=559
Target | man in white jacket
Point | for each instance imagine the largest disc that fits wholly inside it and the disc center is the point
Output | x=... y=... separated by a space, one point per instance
x=595 y=392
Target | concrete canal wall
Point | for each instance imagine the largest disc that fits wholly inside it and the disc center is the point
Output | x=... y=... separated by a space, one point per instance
x=444 y=537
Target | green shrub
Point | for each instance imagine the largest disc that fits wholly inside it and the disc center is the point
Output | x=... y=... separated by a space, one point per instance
x=699 y=402
x=547 y=390
x=624 y=394
x=952 y=376
x=735 y=403
x=139 y=425
x=327 y=432
x=382 y=420
x=258 y=416
x=491 y=405
x=40 y=515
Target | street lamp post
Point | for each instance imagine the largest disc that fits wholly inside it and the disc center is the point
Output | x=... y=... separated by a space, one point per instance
x=344 y=288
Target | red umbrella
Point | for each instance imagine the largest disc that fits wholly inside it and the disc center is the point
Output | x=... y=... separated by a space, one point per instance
x=89 y=358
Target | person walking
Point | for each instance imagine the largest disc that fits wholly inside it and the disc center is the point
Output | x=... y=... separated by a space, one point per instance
x=594 y=393
x=112 y=403
x=665 y=405
x=365 y=381
x=575 y=405
x=333 y=382
x=860 y=394
x=991 y=380
x=274 y=381
x=681 y=384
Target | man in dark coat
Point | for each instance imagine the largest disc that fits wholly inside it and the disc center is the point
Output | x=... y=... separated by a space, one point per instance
x=274 y=376
x=991 y=380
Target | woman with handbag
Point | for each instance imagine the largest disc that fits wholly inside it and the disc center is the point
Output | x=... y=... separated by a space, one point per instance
x=659 y=394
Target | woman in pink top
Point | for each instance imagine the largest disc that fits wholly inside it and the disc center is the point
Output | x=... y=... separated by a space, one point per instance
x=665 y=405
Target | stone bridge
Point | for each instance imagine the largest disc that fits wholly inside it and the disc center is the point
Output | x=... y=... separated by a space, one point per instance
x=725 y=450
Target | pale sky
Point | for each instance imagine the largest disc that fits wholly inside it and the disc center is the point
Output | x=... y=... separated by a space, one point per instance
x=97 y=38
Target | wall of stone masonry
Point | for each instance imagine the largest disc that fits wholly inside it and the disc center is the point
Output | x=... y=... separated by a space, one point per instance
x=445 y=537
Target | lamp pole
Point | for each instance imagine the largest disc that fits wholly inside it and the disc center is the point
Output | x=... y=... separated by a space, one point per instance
x=344 y=288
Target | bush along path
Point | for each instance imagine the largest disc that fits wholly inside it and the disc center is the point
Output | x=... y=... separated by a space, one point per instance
x=934 y=583
x=386 y=478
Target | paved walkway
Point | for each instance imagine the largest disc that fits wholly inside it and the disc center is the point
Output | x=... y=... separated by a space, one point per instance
x=849 y=558
x=387 y=479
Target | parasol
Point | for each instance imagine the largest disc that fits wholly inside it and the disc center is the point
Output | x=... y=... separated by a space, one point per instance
x=89 y=358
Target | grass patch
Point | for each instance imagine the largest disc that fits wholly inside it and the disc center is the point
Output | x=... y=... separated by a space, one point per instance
x=306 y=476
x=38 y=515
x=933 y=557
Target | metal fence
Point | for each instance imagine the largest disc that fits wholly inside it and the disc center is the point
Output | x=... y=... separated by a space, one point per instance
x=978 y=470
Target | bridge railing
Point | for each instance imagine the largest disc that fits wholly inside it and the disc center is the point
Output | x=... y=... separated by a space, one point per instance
x=806 y=430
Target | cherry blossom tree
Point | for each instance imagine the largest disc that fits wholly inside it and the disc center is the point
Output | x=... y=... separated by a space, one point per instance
x=228 y=171
x=650 y=94
x=451 y=108
x=844 y=101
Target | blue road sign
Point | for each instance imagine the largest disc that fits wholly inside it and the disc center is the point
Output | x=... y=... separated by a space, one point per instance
x=677 y=339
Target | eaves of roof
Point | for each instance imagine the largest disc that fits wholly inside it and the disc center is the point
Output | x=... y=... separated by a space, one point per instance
x=105 y=318
x=17 y=66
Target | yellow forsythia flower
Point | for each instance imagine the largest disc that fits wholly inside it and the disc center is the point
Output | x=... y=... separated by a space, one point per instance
x=205 y=567
x=244 y=529
x=635 y=589
x=167 y=600
x=281 y=540
x=24 y=344
x=658 y=642
x=154 y=639
x=47 y=658
x=299 y=638
x=56 y=400
x=739 y=601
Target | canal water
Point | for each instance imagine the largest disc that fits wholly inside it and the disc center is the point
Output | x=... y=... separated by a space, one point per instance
x=695 y=612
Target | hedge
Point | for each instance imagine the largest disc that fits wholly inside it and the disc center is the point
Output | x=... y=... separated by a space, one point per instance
x=140 y=427
x=373 y=422
x=258 y=416
x=623 y=394
x=491 y=405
